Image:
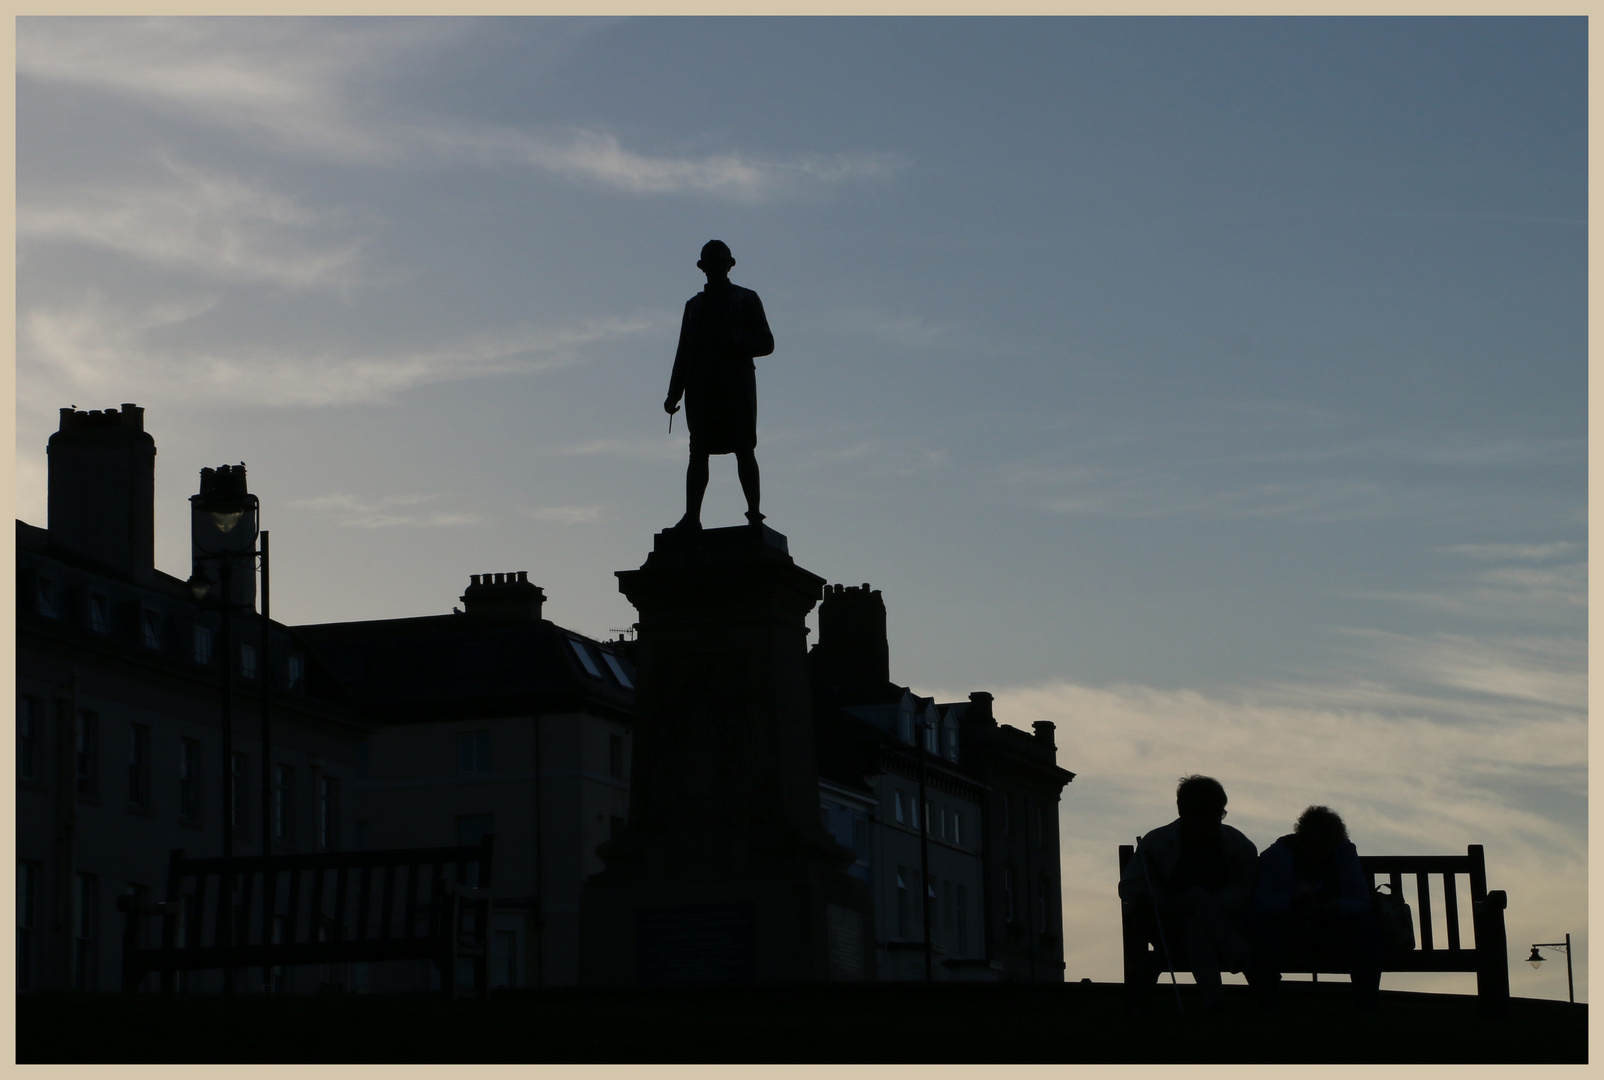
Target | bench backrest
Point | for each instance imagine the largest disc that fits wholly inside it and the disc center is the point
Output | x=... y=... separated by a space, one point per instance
x=330 y=896
x=1392 y=869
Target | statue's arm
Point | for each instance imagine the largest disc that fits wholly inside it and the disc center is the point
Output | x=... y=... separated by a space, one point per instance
x=760 y=339
x=676 y=380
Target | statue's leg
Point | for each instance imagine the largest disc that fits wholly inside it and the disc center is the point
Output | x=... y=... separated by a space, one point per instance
x=746 y=469
x=695 y=488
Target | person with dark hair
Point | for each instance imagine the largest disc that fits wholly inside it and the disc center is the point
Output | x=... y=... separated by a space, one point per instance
x=1190 y=883
x=723 y=328
x=1313 y=898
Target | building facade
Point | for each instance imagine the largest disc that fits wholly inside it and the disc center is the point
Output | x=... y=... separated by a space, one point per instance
x=493 y=720
x=120 y=705
x=954 y=816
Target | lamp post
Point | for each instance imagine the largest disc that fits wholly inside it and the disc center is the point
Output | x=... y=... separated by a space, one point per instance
x=926 y=894
x=1537 y=958
x=224 y=528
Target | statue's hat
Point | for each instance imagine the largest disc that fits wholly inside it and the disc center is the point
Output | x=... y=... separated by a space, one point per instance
x=716 y=253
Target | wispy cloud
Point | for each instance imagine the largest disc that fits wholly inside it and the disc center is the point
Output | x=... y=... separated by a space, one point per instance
x=564 y=515
x=213 y=223
x=99 y=348
x=644 y=449
x=390 y=511
x=304 y=84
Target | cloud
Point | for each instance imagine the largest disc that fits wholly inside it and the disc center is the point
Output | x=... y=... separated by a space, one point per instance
x=673 y=447
x=564 y=515
x=391 y=511
x=99 y=348
x=205 y=222
x=306 y=84
x=1405 y=782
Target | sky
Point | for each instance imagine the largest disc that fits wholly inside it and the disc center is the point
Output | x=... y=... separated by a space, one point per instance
x=1213 y=388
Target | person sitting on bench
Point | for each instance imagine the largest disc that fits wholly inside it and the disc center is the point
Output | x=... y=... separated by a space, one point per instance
x=1191 y=884
x=1312 y=900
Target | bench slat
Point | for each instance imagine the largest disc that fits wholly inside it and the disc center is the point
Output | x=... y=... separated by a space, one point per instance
x=389 y=903
x=1450 y=909
x=292 y=928
x=363 y=896
x=1423 y=895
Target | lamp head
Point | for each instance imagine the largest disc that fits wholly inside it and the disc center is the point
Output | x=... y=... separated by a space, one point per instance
x=1536 y=958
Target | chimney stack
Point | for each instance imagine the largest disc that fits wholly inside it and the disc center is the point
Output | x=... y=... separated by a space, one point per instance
x=102 y=489
x=503 y=596
x=852 y=661
x=223 y=521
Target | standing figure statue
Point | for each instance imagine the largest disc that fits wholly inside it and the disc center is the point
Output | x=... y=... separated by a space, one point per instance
x=723 y=329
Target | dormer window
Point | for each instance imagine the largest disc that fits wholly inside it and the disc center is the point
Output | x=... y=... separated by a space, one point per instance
x=618 y=670
x=153 y=629
x=584 y=657
x=99 y=614
x=247 y=661
x=295 y=669
x=203 y=645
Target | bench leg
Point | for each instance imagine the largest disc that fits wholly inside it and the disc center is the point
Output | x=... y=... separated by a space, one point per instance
x=1492 y=950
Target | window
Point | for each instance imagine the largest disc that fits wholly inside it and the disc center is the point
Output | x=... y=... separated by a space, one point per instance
x=86 y=745
x=473 y=751
x=934 y=900
x=932 y=735
x=958 y=827
x=189 y=769
x=952 y=741
x=203 y=645
x=913 y=807
x=618 y=670
x=505 y=967
x=328 y=813
x=152 y=623
x=898 y=797
x=615 y=756
x=905 y=726
x=99 y=613
x=85 y=927
x=584 y=657
x=1008 y=895
x=295 y=670
x=284 y=803
x=961 y=917
x=27 y=898
x=239 y=817
x=45 y=597
x=902 y=903
x=139 y=766
x=30 y=714
x=247 y=661
x=940 y=821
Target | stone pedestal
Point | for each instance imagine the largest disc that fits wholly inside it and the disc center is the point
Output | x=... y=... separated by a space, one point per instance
x=724 y=872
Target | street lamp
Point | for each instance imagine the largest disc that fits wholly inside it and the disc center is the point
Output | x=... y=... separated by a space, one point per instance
x=224 y=528
x=1537 y=958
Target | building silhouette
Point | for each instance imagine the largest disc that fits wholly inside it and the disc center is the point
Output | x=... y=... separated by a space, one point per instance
x=438 y=729
x=119 y=732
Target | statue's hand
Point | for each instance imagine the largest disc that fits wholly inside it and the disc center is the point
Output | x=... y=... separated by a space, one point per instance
x=670 y=406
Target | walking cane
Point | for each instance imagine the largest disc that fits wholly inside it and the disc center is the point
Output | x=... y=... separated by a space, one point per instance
x=1153 y=896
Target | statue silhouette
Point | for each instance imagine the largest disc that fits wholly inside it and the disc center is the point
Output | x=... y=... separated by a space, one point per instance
x=723 y=329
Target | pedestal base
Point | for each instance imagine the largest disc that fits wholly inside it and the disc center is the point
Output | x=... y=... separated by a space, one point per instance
x=723 y=872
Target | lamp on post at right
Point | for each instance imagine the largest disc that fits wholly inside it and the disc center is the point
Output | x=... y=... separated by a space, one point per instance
x=1537 y=958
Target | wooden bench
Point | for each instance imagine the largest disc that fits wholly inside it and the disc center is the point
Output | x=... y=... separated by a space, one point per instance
x=328 y=908
x=1487 y=955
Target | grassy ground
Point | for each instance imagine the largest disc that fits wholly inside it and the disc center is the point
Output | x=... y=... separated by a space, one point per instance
x=1076 y=1023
